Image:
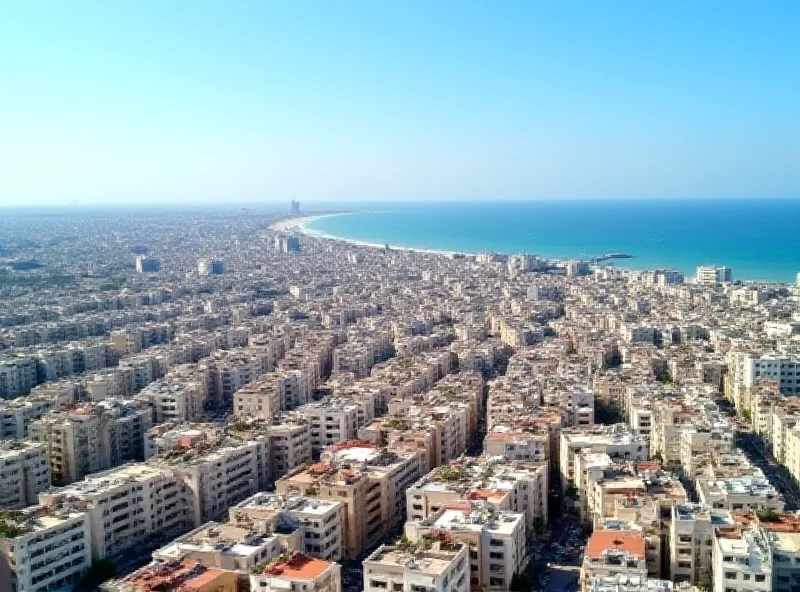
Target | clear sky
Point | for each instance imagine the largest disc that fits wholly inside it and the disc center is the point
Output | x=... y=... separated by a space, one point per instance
x=195 y=101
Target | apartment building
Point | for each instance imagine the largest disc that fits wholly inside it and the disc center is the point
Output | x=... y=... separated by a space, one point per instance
x=331 y=422
x=176 y=576
x=126 y=506
x=713 y=274
x=444 y=567
x=370 y=483
x=783 y=370
x=216 y=476
x=24 y=472
x=297 y=573
x=175 y=400
x=92 y=437
x=740 y=494
x=17 y=376
x=691 y=538
x=510 y=486
x=289 y=447
x=44 y=548
x=258 y=400
x=17 y=415
x=496 y=540
x=517 y=445
x=77 y=443
x=614 y=557
x=742 y=560
x=783 y=532
x=616 y=441
x=320 y=521
x=225 y=546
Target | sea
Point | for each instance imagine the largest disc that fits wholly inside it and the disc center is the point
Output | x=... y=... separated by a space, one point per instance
x=758 y=238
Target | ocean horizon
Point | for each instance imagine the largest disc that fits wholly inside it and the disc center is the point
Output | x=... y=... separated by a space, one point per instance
x=758 y=238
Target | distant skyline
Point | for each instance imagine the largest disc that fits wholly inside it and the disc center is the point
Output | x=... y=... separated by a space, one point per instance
x=209 y=102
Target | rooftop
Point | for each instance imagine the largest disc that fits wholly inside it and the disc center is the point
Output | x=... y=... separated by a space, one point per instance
x=603 y=541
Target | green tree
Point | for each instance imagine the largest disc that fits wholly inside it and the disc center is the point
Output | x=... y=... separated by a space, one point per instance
x=520 y=583
x=572 y=491
x=101 y=571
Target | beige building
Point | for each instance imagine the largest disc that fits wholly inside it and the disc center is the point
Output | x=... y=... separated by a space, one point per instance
x=77 y=443
x=691 y=537
x=24 y=472
x=92 y=437
x=175 y=400
x=371 y=483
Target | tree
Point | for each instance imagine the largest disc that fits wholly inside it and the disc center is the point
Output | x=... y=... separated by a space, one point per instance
x=572 y=491
x=747 y=417
x=657 y=457
x=520 y=583
x=101 y=571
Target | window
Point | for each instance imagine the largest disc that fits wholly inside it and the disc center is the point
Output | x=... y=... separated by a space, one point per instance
x=730 y=575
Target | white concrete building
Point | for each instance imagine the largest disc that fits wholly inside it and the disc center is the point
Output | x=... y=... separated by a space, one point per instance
x=713 y=274
x=614 y=556
x=442 y=568
x=321 y=521
x=742 y=560
x=690 y=538
x=496 y=540
x=126 y=506
x=44 y=549
x=299 y=573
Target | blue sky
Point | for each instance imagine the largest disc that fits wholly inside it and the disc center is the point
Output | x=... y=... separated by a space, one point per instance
x=177 y=101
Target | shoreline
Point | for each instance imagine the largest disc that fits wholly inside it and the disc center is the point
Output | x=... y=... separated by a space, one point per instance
x=299 y=224
x=301 y=227
x=292 y=223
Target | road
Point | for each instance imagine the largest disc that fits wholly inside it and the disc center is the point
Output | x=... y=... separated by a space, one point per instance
x=562 y=579
x=754 y=449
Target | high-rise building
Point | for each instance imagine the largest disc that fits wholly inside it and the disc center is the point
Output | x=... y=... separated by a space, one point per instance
x=25 y=472
x=210 y=267
x=295 y=209
x=713 y=274
x=287 y=244
x=44 y=548
x=147 y=264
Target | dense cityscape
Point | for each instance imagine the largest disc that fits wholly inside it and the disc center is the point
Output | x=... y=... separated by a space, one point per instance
x=214 y=401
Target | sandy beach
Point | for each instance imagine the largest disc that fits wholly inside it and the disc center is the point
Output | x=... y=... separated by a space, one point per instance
x=294 y=223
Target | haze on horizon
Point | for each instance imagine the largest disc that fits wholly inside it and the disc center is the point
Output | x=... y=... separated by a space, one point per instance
x=153 y=102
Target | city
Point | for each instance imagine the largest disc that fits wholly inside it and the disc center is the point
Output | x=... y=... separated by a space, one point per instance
x=211 y=400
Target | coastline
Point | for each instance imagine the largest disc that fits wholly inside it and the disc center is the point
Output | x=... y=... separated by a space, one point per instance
x=301 y=226
x=298 y=222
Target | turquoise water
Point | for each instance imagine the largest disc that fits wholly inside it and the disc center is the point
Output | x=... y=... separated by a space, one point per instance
x=759 y=239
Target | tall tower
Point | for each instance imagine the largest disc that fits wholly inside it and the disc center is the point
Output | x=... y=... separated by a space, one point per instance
x=295 y=210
